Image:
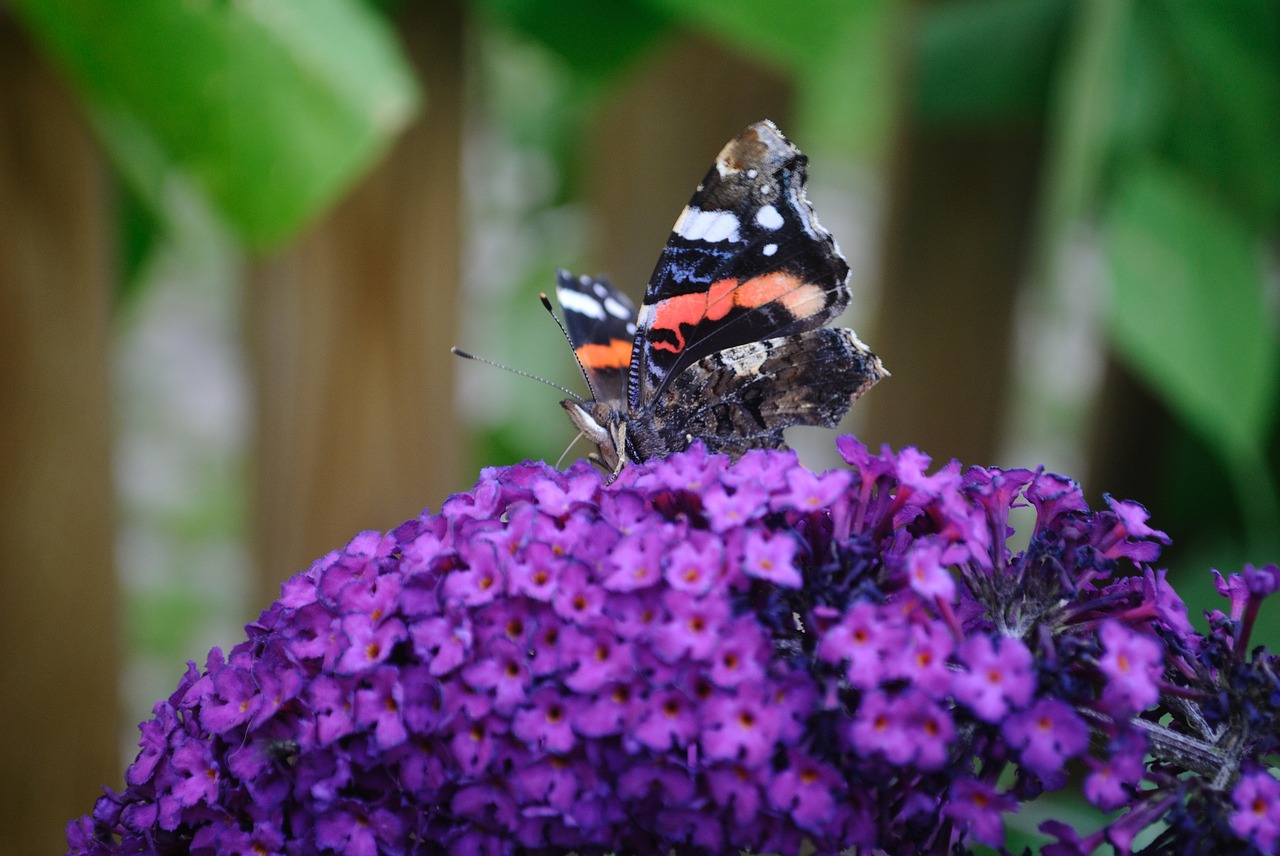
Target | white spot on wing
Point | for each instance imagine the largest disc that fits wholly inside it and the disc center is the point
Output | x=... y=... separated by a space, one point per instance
x=769 y=249
x=769 y=218
x=616 y=309
x=710 y=226
x=582 y=304
x=752 y=173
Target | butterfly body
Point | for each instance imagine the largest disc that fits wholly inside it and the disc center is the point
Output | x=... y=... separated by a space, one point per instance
x=730 y=345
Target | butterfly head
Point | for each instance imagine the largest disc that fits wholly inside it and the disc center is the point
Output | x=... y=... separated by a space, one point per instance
x=602 y=424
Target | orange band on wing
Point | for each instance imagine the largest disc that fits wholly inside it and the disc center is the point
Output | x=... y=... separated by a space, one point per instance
x=801 y=299
x=615 y=355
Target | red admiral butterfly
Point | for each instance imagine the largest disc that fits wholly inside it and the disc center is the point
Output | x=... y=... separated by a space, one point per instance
x=729 y=346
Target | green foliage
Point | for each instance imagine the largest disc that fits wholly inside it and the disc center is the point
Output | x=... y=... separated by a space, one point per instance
x=270 y=107
x=1189 y=310
x=988 y=61
x=838 y=52
x=596 y=37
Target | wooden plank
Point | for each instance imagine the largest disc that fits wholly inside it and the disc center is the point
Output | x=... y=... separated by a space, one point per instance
x=59 y=662
x=955 y=248
x=349 y=333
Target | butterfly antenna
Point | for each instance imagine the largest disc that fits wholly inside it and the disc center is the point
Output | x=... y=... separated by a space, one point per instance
x=546 y=304
x=466 y=356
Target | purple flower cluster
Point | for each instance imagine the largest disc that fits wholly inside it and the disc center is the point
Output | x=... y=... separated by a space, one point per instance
x=716 y=656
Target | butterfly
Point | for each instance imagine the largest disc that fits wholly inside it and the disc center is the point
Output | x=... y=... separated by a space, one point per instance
x=730 y=345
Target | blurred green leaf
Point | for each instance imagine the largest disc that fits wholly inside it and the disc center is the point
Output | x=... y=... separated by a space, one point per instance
x=839 y=52
x=988 y=60
x=1143 y=84
x=1227 y=126
x=790 y=38
x=270 y=106
x=596 y=37
x=1190 y=312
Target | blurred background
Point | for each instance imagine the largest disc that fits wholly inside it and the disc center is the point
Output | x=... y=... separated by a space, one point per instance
x=237 y=240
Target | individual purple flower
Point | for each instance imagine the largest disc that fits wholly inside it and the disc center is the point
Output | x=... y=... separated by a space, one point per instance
x=636 y=561
x=1166 y=605
x=806 y=790
x=377 y=708
x=350 y=828
x=923 y=659
x=736 y=789
x=694 y=564
x=692 y=626
x=1046 y=735
x=927 y=571
x=232 y=699
x=194 y=779
x=601 y=658
x=728 y=508
x=331 y=701
x=771 y=559
x=1112 y=780
x=443 y=643
x=667 y=719
x=933 y=731
x=503 y=672
x=998 y=676
x=809 y=492
x=741 y=727
x=739 y=656
x=368 y=642
x=546 y=722
x=1257 y=809
x=1131 y=523
x=862 y=639
x=880 y=727
x=980 y=808
x=1132 y=662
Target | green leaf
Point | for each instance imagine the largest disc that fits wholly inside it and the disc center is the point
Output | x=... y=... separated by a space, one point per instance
x=987 y=61
x=271 y=107
x=596 y=37
x=840 y=53
x=791 y=39
x=1227 y=126
x=1189 y=310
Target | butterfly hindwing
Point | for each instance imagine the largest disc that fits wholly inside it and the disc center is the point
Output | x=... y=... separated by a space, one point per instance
x=743 y=397
x=747 y=260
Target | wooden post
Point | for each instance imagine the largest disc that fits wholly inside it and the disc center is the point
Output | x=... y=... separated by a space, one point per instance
x=58 y=645
x=955 y=249
x=349 y=333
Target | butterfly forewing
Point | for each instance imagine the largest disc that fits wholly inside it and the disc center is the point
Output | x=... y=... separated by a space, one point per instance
x=747 y=260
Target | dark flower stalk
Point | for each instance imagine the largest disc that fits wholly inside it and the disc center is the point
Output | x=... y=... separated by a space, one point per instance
x=715 y=657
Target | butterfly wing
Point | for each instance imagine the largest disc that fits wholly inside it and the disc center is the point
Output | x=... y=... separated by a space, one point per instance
x=743 y=397
x=746 y=261
x=601 y=323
